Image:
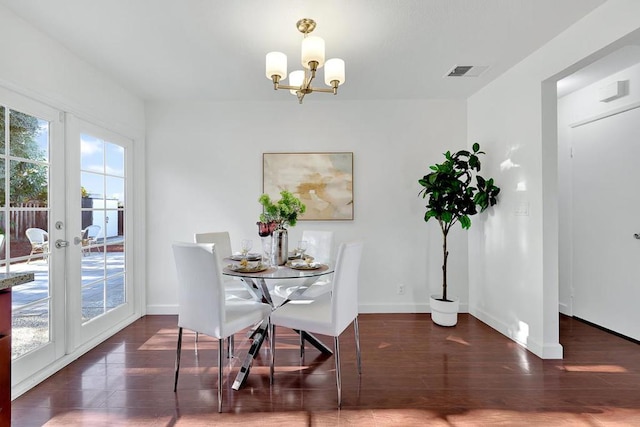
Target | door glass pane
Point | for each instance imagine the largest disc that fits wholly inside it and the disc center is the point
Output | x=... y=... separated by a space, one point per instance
x=92 y=301
x=29 y=137
x=29 y=184
x=26 y=245
x=3 y=252
x=103 y=194
x=30 y=327
x=2 y=130
x=114 y=160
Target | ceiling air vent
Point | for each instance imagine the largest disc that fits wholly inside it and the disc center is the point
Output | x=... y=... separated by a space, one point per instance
x=466 y=71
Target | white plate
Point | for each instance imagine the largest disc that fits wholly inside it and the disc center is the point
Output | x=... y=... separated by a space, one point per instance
x=305 y=266
x=250 y=257
x=248 y=269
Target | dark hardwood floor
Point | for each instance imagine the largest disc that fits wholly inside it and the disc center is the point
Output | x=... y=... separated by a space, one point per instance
x=414 y=373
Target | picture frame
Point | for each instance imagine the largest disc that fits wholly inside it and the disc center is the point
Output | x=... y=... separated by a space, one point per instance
x=322 y=181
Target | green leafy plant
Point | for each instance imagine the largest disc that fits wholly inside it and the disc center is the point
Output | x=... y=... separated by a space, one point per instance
x=284 y=211
x=453 y=198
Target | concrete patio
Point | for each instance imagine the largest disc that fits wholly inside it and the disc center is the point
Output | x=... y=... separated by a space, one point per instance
x=103 y=288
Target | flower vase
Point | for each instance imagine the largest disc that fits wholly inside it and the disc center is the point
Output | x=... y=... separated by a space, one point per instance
x=279 y=246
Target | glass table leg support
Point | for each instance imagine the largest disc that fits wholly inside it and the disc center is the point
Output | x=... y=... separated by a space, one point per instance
x=258 y=338
x=315 y=342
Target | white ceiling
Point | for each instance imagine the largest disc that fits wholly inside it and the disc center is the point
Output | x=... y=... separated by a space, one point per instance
x=214 y=49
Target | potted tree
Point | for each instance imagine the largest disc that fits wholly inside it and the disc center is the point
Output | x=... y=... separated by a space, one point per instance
x=453 y=198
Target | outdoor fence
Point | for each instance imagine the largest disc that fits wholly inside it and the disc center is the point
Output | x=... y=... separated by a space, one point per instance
x=20 y=219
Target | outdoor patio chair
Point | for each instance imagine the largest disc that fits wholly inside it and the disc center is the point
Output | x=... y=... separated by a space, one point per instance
x=90 y=238
x=39 y=240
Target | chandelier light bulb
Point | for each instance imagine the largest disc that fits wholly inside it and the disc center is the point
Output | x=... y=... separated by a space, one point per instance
x=334 y=71
x=296 y=78
x=276 y=65
x=312 y=50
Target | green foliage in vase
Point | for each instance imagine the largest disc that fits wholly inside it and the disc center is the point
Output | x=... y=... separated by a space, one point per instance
x=284 y=211
x=452 y=196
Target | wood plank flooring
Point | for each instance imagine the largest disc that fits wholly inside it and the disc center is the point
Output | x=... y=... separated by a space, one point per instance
x=414 y=373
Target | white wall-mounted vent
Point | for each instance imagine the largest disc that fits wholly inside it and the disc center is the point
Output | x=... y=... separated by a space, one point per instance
x=467 y=71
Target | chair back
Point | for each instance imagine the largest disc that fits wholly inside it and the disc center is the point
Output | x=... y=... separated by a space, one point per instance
x=320 y=244
x=201 y=297
x=220 y=238
x=93 y=231
x=344 y=298
x=36 y=235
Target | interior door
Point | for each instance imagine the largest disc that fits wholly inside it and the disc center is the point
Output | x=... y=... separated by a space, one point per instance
x=101 y=297
x=32 y=214
x=606 y=203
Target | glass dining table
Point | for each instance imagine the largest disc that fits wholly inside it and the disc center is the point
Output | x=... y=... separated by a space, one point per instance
x=256 y=282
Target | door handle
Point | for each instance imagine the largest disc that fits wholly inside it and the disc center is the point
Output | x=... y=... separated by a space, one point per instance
x=61 y=243
x=637 y=236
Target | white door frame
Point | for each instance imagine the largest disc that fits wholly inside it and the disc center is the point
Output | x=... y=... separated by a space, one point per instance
x=26 y=366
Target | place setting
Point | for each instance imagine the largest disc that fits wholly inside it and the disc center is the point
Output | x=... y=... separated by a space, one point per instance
x=249 y=262
x=299 y=260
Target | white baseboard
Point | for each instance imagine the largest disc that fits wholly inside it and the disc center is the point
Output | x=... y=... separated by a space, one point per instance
x=402 y=308
x=362 y=308
x=542 y=350
x=565 y=309
x=162 y=309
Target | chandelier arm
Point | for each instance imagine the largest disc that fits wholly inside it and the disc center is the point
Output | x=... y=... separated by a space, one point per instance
x=320 y=89
x=308 y=78
x=288 y=87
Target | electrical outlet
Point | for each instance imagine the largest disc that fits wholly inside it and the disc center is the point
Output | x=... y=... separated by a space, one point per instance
x=400 y=289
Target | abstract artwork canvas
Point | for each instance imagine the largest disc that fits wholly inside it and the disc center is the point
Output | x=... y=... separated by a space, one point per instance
x=322 y=181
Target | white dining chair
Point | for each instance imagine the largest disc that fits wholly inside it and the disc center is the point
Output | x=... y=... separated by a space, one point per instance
x=329 y=314
x=202 y=306
x=320 y=247
x=234 y=288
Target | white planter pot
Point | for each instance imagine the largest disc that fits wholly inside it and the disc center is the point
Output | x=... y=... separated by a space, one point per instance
x=444 y=313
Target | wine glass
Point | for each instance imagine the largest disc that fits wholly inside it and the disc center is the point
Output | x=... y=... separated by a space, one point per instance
x=245 y=247
x=266 y=249
x=302 y=247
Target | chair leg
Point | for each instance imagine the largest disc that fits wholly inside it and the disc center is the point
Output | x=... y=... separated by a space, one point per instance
x=230 y=346
x=272 y=347
x=220 y=367
x=357 y=331
x=178 y=350
x=301 y=344
x=338 y=379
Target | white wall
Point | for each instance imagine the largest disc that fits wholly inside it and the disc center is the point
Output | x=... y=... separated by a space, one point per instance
x=513 y=260
x=34 y=65
x=204 y=173
x=572 y=109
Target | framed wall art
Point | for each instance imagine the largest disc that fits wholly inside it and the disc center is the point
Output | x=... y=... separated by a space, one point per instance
x=322 y=181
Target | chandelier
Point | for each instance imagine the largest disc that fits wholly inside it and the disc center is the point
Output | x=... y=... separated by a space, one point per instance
x=312 y=59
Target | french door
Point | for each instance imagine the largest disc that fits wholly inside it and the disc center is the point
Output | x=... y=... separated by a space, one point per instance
x=65 y=189
x=32 y=216
x=99 y=263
